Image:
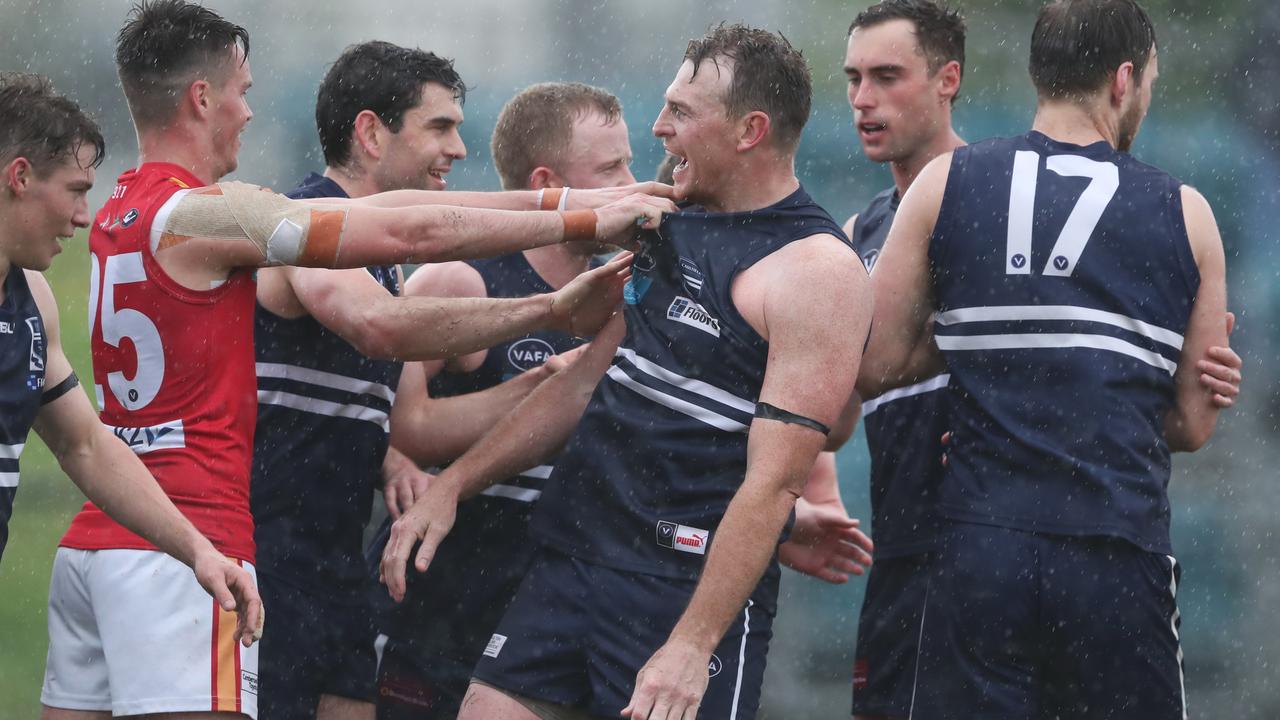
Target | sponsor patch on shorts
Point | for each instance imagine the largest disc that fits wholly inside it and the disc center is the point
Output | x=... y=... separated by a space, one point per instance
x=682 y=537
x=495 y=645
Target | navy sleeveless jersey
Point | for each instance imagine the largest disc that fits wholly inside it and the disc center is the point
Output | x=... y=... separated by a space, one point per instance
x=22 y=359
x=1064 y=281
x=903 y=428
x=487 y=552
x=323 y=420
x=662 y=448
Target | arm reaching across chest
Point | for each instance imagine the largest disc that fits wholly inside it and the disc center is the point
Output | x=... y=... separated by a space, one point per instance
x=901 y=350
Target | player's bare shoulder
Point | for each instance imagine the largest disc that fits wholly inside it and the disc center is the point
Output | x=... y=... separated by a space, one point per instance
x=448 y=279
x=821 y=273
x=42 y=293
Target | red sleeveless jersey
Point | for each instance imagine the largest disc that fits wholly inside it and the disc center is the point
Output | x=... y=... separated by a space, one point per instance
x=173 y=369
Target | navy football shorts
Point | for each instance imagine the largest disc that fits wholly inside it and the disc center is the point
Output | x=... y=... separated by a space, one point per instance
x=576 y=634
x=415 y=686
x=884 y=667
x=1033 y=625
x=312 y=646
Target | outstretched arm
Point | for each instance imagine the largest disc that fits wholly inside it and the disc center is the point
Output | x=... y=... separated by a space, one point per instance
x=352 y=304
x=219 y=228
x=577 y=199
x=115 y=480
x=816 y=309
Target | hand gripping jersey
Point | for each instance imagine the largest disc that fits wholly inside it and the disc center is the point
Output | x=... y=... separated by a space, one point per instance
x=323 y=431
x=487 y=552
x=23 y=348
x=1064 y=281
x=172 y=367
x=662 y=447
x=903 y=427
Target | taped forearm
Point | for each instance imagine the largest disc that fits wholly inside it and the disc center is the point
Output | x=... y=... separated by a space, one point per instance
x=284 y=231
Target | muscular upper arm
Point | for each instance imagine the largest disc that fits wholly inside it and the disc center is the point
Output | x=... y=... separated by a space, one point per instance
x=901 y=349
x=1195 y=415
x=812 y=301
x=817 y=308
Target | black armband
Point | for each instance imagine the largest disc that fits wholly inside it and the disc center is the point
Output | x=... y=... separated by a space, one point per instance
x=770 y=412
x=62 y=388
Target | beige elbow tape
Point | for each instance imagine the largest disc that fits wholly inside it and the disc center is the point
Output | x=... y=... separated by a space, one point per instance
x=286 y=232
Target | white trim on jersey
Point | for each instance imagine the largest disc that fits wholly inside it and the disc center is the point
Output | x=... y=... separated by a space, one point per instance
x=1016 y=341
x=8 y=479
x=282 y=371
x=697 y=412
x=162 y=218
x=511 y=492
x=324 y=407
x=541 y=472
x=11 y=452
x=1173 y=625
x=1060 y=312
x=937 y=382
x=742 y=658
x=697 y=387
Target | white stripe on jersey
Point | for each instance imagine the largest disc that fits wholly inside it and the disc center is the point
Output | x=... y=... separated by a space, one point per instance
x=511 y=492
x=8 y=479
x=541 y=472
x=697 y=387
x=1054 y=340
x=162 y=218
x=325 y=379
x=1060 y=312
x=11 y=452
x=937 y=382
x=713 y=419
x=324 y=407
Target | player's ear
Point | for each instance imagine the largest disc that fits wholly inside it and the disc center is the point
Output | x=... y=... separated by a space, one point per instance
x=368 y=133
x=198 y=97
x=949 y=81
x=544 y=177
x=753 y=128
x=18 y=175
x=1122 y=83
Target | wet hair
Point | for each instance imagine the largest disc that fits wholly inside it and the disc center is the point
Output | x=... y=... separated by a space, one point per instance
x=1078 y=44
x=770 y=76
x=166 y=45
x=381 y=77
x=42 y=126
x=939 y=29
x=535 y=127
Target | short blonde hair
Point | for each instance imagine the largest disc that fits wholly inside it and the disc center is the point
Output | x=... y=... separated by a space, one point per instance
x=536 y=126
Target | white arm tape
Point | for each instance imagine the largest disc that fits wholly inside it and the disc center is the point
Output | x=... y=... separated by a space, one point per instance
x=282 y=229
